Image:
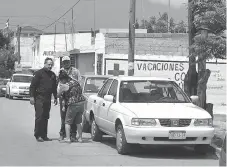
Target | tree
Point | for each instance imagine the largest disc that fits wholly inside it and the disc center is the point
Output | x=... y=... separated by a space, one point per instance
x=162 y=24
x=172 y=25
x=180 y=27
x=7 y=56
x=210 y=23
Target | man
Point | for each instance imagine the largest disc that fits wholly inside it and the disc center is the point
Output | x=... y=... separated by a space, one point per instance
x=75 y=75
x=74 y=100
x=43 y=85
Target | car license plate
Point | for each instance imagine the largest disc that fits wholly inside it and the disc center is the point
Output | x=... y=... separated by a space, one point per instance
x=26 y=92
x=177 y=135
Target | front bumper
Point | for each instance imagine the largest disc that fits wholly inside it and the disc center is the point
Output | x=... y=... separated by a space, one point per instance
x=194 y=135
x=19 y=92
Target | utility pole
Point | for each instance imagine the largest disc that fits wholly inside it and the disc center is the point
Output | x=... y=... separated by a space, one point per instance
x=55 y=29
x=94 y=18
x=168 y=22
x=72 y=31
x=132 y=13
x=65 y=37
x=18 y=42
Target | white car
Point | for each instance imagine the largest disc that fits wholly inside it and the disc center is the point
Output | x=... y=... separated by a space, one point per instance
x=18 y=86
x=146 y=110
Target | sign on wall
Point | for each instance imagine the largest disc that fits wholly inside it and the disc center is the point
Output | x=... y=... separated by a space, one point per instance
x=175 y=70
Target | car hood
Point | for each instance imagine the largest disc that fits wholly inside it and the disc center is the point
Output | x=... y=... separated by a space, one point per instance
x=166 y=110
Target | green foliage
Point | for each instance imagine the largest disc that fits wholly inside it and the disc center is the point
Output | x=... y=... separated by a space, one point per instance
x=209 y=15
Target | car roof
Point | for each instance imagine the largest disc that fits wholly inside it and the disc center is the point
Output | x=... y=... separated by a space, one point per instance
x=23 y=75
x=138 y=78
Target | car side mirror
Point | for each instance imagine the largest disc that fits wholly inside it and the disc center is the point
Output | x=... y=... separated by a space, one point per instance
x=195 y=99
x=109 y=98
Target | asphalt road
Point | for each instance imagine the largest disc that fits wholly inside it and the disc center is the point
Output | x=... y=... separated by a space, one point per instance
x=19 y=147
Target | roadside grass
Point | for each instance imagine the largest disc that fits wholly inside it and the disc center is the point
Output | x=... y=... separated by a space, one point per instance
x=219 y=123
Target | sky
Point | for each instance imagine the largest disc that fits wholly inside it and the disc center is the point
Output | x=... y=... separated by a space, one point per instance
x=108 y=13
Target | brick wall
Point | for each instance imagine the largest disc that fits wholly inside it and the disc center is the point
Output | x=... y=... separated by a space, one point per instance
x=152 y=44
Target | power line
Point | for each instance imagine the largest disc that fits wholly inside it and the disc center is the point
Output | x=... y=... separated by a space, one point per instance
x=62 y=15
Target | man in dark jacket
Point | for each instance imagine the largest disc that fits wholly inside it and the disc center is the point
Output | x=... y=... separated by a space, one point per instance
x=43 y=85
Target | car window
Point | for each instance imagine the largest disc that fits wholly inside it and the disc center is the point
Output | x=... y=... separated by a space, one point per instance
x=94 y=84
x=22 y=78
x=113 y=89
x=151 y=91
x=105 y=88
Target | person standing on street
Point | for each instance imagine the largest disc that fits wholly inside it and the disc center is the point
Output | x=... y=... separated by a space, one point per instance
x=74 y=74
x=74 y=100
x=43 y=85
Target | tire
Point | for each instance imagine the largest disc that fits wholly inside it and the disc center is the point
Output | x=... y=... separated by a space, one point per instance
x=202 y=149
x=121 y=143
x=10 y=97
x=96 y=134
x=86 y=125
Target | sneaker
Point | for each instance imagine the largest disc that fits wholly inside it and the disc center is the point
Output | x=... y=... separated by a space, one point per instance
x=46 y=139
x=39 y=139
x=61 y=138
x=65 y=141
x=80 y=140
x=74 y=139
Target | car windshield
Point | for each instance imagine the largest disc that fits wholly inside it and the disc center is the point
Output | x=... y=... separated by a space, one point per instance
x=93 y=84
x=151 y=92
x=22 y=78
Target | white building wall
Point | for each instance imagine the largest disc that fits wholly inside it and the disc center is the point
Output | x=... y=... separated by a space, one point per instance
x=46 y=47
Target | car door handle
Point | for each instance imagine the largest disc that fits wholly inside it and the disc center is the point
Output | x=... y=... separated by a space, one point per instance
x=94 y=101
x=103 y=104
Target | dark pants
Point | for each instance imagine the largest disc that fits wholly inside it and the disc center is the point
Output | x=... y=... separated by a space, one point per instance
x=42 y=114
x=63 y=115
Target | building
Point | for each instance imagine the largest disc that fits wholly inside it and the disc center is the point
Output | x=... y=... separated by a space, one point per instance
x=79 y=46
x=27 y=37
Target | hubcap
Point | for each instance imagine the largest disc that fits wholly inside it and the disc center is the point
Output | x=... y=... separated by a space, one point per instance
x=119 y=139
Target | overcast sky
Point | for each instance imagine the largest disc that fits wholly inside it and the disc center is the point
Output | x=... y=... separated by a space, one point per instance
x=109 y=13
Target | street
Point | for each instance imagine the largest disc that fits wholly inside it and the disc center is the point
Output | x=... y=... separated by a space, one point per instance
x=19 y=147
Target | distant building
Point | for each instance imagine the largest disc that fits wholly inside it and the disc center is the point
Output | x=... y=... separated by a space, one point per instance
x=26 y=42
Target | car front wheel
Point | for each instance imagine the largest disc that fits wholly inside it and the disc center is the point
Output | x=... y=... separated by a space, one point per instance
x=96 y=134
x=121 y=143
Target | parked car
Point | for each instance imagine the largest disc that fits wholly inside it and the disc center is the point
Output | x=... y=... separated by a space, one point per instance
x=18 y=86
x=3 y=83
x=222 y=159
x=146 y=110
x=91 y=84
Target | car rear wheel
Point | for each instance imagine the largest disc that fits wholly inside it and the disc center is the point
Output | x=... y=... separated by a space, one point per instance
x=202 y=148
x=121 y=143
x=96 y=134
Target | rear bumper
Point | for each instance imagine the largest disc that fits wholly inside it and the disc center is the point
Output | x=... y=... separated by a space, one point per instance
x=194 y=135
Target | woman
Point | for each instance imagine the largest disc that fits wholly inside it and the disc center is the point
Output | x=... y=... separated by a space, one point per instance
x=74 y=100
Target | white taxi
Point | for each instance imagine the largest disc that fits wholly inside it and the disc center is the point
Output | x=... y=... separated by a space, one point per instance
x=146 y=110
x=18 y=86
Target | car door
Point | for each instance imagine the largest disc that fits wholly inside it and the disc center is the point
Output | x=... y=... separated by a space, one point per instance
x=108 y=109
x=99 y=101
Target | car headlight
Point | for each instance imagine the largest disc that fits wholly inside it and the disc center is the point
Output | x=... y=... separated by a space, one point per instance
x=14 y=87
x=143 y=122
x=203 y=122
